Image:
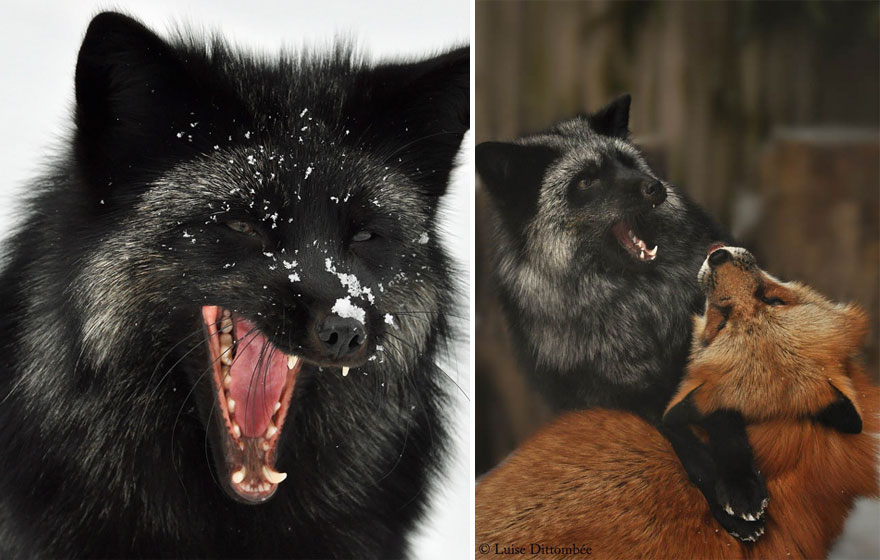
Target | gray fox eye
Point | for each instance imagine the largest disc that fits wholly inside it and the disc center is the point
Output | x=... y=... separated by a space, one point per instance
x=241 y=227
x=362 y=235
x=584 y=183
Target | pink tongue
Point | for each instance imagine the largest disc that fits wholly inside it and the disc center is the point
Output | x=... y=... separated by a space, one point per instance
x=259 y=373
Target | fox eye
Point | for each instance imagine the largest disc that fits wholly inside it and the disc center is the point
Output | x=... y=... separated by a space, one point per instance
x=769 y=300
x=241 y=227
x=584 y=183
x=362 y=235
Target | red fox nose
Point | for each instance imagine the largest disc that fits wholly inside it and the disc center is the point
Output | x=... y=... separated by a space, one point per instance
x=719 y=256
x=654 y=192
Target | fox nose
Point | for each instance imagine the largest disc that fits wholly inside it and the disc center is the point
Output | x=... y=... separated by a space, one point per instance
x=719 y=256
x=654 y=192
x=341 y=336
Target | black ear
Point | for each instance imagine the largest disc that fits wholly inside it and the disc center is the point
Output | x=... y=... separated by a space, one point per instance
x=613 y=119
x=513 y=174
x=136 y=99
x=841 y=415
x=681 y=410
x=424 y=107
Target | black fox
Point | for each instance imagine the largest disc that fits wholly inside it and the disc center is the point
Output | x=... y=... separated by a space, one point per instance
x=596 y=263
x=221 y=312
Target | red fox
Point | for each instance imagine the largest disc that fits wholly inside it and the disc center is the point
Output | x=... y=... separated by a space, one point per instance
x=779 y=357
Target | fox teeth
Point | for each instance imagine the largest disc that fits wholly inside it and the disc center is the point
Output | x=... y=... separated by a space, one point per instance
x=236 y=429
x=272 y=475
x=277 y=407
x=292 y=361
x=230 y=404
x=642 y=255
x=344 y=371
x=270 y=431
x=238 y=476
x=652 y=252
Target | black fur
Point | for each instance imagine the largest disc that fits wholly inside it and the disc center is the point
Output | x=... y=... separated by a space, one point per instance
x=640 y=325
x=106 y=410
x=841 y=415
x=724 y=470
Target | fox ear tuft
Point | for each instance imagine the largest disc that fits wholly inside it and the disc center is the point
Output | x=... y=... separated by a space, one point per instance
x=426 y=106
x=134 y=94
x=613 y=119
x=841 y=414
x=512 y=173
x=124 y=73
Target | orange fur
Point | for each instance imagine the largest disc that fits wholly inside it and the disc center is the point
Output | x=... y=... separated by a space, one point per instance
x=608 y=480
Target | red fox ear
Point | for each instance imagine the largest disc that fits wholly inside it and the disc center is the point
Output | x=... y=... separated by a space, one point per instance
x=842 y=413
x=856 y=326
x=682 y=409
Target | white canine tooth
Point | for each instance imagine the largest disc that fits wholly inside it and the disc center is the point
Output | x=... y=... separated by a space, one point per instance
x=271 y=431
x=273 y=476
x=642 y=255
x=653 y=251
x=236 y=430
x=292 y=361
x=238 y=476
x=230 y=404
x=344 y=371
x=277 y=407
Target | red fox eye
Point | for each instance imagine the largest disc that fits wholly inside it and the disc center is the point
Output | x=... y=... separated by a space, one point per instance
x=362 y=235
x=772 y=301
x=241 y=227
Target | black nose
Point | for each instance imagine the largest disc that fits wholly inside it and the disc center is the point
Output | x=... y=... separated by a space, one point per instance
x=719 y=256
x=341 y=336
x=654 y=192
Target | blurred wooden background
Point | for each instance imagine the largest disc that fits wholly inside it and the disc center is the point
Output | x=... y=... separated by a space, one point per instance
x=766 y=112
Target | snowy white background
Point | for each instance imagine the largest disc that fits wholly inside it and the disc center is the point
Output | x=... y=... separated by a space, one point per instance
x=39 y=42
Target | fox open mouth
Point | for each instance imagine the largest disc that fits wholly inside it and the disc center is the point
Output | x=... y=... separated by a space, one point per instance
x=253 y=384
x=624 y=231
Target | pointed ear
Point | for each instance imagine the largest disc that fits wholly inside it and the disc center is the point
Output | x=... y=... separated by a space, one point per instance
x=512 y=173
x=613 y=119
x=133 y=95
x=682 y=408
x=842 y=413
x=857 y=325
x=425 y=107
